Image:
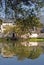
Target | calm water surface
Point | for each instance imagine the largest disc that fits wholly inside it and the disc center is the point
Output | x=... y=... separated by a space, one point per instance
x=33 y=55
x=14 y=61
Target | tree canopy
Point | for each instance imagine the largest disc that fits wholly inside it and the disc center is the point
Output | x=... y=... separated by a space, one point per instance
x=25 y=12
x=10 y=8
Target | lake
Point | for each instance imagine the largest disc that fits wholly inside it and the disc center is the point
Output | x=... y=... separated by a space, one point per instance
x=14 y=61
x=16 y=54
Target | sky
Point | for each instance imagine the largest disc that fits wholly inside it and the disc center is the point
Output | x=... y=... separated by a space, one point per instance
x=2 y=9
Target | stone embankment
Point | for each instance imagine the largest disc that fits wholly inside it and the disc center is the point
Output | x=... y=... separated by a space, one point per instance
x=41 y=35
x=35 y=35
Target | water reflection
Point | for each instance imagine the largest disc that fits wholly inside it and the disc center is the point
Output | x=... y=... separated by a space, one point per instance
x=8 y=50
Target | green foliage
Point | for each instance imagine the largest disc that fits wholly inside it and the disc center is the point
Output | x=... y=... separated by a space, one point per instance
x=1 y=21
x=29 y=23
x=8 y=29
x=35 y=39
x=23 y=26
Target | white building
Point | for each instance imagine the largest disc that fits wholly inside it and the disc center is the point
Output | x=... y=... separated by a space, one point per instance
x=7 y=23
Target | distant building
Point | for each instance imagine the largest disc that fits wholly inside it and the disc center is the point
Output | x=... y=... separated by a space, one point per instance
x=7 y=23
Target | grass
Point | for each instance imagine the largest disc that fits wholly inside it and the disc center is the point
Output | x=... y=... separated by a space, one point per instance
x=20 y=40
x=35 y=39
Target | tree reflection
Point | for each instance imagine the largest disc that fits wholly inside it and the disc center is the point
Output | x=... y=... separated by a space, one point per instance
x=35 y=53
x=22 y=52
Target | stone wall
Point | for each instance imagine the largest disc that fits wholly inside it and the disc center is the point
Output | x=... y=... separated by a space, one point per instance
x=41 y=35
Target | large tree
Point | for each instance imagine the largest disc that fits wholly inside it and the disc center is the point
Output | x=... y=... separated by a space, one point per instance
x=25 y=14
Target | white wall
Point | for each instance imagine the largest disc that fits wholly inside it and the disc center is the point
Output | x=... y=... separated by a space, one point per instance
x=3 y=26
